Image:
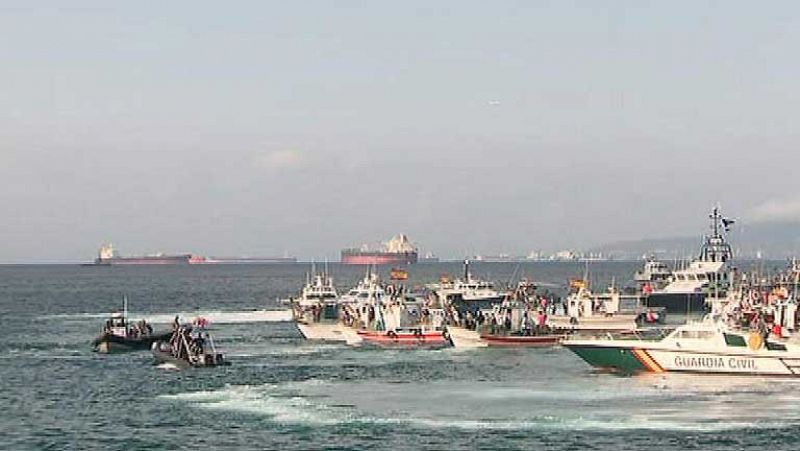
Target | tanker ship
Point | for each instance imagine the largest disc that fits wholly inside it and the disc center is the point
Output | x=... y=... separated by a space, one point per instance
x=397 y=251
x=108 y=256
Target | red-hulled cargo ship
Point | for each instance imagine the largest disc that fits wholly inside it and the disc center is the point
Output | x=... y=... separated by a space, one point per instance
x=108 y=256
x=397 y=251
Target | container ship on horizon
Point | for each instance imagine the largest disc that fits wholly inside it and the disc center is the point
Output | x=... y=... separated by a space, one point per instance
x=398 y=251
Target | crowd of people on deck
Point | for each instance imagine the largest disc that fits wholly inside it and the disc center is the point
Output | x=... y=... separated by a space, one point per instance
x=186 y=342
x=771 y=312
x=139 y=329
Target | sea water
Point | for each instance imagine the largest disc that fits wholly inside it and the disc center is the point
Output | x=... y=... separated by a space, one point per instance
x=282 y=392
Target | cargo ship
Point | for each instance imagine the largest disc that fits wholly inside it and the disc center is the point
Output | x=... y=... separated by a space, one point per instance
x=108 y=256
x=397 y=251
x=250 y=260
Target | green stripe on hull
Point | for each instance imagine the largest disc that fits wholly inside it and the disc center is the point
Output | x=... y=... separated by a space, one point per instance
x=620 y=359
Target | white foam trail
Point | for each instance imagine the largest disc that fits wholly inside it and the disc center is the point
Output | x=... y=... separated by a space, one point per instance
x=69 y=316
x=213 y=316
x=287 y=350
x=284 y=404
x=222 y=317
x=168 y=366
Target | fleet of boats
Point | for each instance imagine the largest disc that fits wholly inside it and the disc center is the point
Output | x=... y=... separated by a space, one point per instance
x=184 y=346
x=747 y=326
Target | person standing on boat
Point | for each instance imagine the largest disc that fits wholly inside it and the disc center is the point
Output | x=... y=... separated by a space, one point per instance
x=541 y=322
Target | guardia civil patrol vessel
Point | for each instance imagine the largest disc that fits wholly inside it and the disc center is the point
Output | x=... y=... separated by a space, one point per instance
x=687 y=288
x=710 y=346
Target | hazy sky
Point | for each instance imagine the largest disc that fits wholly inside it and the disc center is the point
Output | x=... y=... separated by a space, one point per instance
x=261 y=127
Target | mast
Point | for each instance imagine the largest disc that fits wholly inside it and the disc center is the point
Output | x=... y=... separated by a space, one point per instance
x=125 y=311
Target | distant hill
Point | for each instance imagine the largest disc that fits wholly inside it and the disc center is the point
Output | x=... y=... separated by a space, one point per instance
x=776 y=240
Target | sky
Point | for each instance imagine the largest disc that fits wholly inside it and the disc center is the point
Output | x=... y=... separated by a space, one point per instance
x=263 y=128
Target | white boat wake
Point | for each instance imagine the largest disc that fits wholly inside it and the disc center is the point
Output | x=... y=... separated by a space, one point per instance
x=213 y=316
x=325 y=404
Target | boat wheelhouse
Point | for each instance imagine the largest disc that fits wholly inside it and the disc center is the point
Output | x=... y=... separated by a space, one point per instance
x=654 y=272
x=467 y=294
x=688 y=287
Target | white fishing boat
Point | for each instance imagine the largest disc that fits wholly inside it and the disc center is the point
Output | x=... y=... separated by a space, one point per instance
x=604 y=312
x=317 y=311
x=467 y=294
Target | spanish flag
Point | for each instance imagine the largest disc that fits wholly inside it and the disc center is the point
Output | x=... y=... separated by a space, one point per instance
x=577 y=283
x=399 y=274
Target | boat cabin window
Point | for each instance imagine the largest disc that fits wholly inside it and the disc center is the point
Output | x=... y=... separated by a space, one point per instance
x=735 y=340
x=695 y=334
x=772 y=346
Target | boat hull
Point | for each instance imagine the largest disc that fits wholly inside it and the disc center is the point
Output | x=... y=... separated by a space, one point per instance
x=638 y=359
x=681 y=303
x=593 y=324
x=432 y=339
x=378 y=258
x=522 y=341
x=107 y=343
x=329 y=332
x=164 y=356
x=464 y=338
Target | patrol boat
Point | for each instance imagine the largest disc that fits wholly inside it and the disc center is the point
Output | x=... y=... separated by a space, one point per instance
x=709 y=346
x=119 y=335
x=188 y=347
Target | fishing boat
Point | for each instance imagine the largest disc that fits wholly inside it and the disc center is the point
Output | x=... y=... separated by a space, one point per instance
x=318 y=311
x=406 y=337
x=188 y=347
x=386 y=316
x=119 y=335
x=709 y=346
x=468 y=293
x=516 y=323
x=518 y=340
x=605 y=312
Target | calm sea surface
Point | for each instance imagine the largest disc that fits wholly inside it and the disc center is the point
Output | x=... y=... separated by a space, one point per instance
x=284 y=393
